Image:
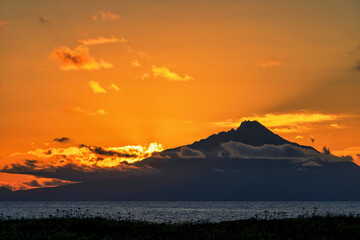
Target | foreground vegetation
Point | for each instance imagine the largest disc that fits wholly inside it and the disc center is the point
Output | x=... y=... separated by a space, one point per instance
x=315 y=227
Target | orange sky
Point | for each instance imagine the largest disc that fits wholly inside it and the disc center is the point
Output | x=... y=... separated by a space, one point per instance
x=117 y=73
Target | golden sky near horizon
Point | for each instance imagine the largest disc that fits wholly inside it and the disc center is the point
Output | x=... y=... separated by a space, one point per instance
x=120 y=73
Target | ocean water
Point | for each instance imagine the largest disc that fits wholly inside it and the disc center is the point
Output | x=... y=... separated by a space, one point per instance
x=175 y=211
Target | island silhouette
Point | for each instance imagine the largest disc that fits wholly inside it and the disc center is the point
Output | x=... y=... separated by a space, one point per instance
x=249 y=163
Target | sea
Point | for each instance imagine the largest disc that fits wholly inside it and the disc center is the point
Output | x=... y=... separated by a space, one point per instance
x=177 y=212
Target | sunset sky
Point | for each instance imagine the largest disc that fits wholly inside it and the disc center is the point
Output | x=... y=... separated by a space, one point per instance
x=140 y=76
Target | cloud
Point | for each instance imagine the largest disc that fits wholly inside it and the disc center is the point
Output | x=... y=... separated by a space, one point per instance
x=282 y=152
x=286 y=123
x=335 y=125
x=356 y=53
x=144 y=54
x=95 y=86
x=33 y=183
x=144 y=76
x=357 y=66
x=78 y=59
x=43 y=20
x=83 y=158
x=186 y=152
x=114 y=87
x=164 y=72
x=241 y=150
x=3 y=25
x=299 y=137
x=79 y=110
x=101 y=40
x=17 y=182
x=101 y=111
x=311 y=164
x=62 y=140
x=105 y=16
x=219 y=170
x=326 y=150
x=269 y=63
x=135 y=63
x=352 y=151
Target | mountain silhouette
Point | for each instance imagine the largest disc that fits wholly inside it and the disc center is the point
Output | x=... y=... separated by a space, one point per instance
x=249 y=132
x=249 y=163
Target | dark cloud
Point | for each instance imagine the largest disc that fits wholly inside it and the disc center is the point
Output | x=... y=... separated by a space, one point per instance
x=358 y=155
x=7 y=186
x=357 y=67
x=72 y=172
x=326 y=150
x=33 y=183
x=54 y=182
x=103 y=152
x=62 y=140
x=312 y=140
x=43 y=20
x=356 y=53
x=30 y=163
x=186 y=152
x=26 y=166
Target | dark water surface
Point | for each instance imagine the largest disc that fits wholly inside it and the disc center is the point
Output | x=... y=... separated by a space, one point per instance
x=175 y=211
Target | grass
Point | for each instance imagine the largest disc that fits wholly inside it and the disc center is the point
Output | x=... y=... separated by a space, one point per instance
x=311 y=227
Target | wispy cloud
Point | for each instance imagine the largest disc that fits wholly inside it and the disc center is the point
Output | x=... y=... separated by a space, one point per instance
x=102 y=40
x=288 y=122
x=17 y=182
x=43 y=20
x=282 y=152
x=3 y=25
x=266 y=63
x=144 y=76
x=79 y=110
x=95 y=86
x=164 y=72
x=78 y=59
x=135 y=63
x=62 y=140
x=338 y=126
x=114 y=87
x=106 y=16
